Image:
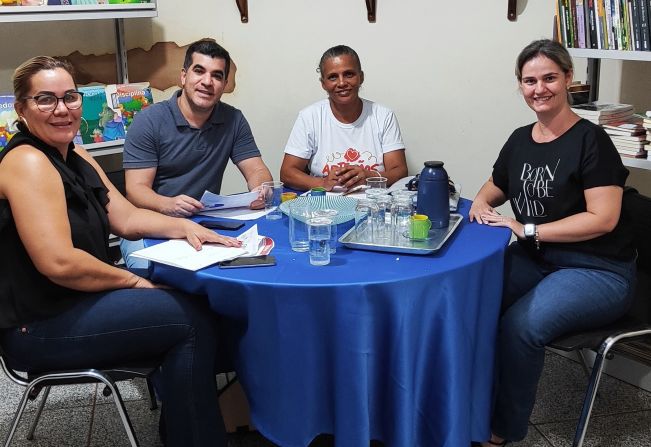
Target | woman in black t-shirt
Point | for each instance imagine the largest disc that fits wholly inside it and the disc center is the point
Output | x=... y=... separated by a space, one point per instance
x=63 y=305
x=572 y=266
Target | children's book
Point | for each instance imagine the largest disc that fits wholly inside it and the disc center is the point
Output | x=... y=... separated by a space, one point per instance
x=8 y=119
x=127 y=100
x=101 y=122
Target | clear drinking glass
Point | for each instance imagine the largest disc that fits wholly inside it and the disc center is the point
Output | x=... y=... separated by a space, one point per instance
x=401 y=211
x=299 y=213
x=365 y=217
x=382 y=225
x=319 y=232
x=332 y=215
x=272 y=199
x=376 y=182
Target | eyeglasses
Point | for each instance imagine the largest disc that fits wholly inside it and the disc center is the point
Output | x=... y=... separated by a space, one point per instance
x=48 y=102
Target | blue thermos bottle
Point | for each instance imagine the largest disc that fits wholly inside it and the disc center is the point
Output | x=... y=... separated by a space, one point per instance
x=433 y=194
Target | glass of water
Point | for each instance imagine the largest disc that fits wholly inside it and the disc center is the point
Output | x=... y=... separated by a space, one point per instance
x=299 y=213
x=330 y=214
x=272 y=198
x=319 y=231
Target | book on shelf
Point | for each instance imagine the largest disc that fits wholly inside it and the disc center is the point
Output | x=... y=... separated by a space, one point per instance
x=627 y=140
x=8 y=119
x=598 y=108
x=644 y=25
x=127 y=100
x=626 y=128
x=96 y=114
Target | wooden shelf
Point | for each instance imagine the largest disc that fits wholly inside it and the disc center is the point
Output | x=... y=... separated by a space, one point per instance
x=13 y=14
x=610 y=54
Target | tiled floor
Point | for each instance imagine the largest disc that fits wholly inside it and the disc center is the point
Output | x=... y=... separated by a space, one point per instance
x=81 y=416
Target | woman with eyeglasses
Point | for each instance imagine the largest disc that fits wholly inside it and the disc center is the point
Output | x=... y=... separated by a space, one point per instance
x=63 y=305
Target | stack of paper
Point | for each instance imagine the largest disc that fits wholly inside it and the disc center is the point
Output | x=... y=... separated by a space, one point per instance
x=179 y=253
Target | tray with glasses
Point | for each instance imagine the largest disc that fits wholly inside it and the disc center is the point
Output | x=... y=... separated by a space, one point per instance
x=402 y=243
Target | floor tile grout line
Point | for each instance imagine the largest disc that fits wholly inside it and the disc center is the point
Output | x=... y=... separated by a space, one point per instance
x=92 y=417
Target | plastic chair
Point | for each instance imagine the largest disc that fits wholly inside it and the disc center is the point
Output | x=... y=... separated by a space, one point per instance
x=629 y=335
x=33 y=384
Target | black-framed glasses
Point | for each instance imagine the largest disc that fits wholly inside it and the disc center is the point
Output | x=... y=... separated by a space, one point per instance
x=47 y=102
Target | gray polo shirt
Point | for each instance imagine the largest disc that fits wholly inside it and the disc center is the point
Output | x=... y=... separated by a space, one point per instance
x=187 y=160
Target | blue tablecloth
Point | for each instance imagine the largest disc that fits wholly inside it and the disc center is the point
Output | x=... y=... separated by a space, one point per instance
x=385 y=346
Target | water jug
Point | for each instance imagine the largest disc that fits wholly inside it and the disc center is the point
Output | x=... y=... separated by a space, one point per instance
x=433 y=194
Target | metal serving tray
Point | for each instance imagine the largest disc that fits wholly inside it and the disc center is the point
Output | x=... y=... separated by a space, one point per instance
x=403 y=244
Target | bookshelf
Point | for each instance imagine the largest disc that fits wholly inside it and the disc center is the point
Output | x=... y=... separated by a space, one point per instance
x=115 y=12
x=594 y=59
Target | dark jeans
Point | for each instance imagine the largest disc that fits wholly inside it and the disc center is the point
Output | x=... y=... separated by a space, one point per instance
x=117 y=327
x=543 y=299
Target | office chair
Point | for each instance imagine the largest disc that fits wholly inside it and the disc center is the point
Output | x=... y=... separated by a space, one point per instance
x=629 y=335
x=33 y=384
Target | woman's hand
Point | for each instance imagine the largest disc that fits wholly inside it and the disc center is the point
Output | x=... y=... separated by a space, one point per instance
x=197 y=235
x=495 y=219
x=350 y=176
x=330 y=181
x=478 y=209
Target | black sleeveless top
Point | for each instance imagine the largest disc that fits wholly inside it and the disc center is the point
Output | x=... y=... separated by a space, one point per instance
x=25 y=294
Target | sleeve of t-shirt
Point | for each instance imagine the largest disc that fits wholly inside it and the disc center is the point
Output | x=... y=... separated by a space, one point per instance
x=501 y=168
x=243 y=144
x=301 y=139
x=391 y=137
x=601 y=165
x=140 y=145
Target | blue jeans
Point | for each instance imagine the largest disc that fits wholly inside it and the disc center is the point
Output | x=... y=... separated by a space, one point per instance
x=137 y=265
x=544 y=298
x=121 y=326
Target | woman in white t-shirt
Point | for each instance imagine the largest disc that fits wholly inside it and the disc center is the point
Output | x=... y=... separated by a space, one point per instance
x=339 y=142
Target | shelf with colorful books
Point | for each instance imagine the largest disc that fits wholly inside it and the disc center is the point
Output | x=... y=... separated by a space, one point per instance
x=46 y=13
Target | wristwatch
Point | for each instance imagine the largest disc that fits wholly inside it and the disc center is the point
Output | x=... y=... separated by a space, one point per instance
x=531 y=233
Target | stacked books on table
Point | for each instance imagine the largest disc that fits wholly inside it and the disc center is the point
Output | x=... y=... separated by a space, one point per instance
x=625 y=129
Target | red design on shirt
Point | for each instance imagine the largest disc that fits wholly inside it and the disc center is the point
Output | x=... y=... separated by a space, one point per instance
x=351 y=155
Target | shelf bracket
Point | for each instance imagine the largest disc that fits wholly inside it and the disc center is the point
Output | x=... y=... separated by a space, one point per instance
x=371 y=8
x=511 y=12
x=243 y=6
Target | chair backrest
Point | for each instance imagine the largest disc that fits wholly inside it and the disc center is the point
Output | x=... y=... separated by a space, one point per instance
x=637 y=209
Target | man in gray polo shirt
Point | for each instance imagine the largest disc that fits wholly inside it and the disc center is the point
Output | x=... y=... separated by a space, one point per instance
x=177 y=149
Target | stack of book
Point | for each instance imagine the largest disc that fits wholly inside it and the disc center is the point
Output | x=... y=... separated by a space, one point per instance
x=603 y=112
x=625 y=129
x=630 y=138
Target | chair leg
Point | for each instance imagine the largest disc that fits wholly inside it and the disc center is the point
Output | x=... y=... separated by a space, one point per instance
x=119 y=403
x=37 y=416
x=19 y=413
x=591 y=393
x=153 y=404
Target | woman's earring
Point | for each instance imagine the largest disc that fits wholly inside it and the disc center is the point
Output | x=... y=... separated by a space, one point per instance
x=24 y=120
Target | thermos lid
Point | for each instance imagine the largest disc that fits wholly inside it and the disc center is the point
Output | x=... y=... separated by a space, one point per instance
x=433 y=164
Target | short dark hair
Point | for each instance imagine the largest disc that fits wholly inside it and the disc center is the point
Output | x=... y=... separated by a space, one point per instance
x=548 y=48
x=338 y=50
x=208 y=47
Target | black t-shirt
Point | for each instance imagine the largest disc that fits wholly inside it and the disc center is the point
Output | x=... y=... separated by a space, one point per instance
x=545 y=182
x=25 y=294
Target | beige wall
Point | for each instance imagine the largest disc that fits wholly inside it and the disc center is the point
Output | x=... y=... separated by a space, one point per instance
x=446 y=68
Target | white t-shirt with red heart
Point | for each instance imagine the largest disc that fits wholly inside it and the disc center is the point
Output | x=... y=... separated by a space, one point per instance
x=319 y=137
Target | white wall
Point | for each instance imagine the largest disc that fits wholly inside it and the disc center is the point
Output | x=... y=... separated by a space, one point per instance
x=446 y=68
